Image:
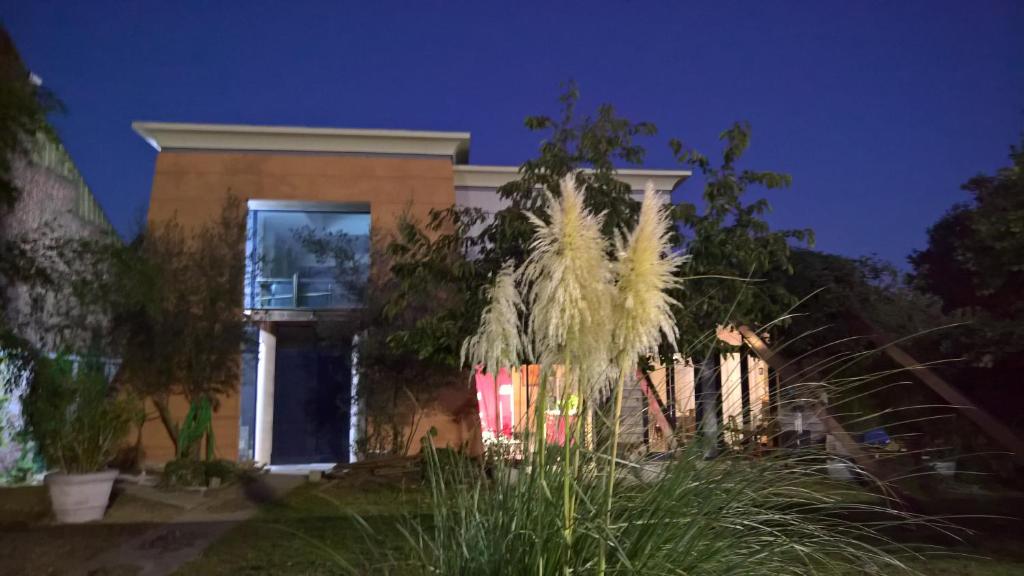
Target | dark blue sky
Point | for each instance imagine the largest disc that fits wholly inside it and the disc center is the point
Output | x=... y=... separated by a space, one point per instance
x=879 y=110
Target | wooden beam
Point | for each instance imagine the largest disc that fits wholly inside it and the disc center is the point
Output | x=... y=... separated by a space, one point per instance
x=988 y=423
x=655 y=406
x=783 y=368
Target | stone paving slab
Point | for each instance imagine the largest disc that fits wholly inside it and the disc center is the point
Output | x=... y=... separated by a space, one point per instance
x=162 y=549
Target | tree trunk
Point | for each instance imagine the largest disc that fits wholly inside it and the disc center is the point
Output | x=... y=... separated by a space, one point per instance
x=164 y=411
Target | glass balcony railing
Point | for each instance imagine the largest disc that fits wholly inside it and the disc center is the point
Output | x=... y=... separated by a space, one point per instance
x=297 y=292
x=306 y=259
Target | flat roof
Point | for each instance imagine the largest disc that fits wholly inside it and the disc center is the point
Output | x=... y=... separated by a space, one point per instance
x=242 y=137
x=472 y=176
x=299 y=139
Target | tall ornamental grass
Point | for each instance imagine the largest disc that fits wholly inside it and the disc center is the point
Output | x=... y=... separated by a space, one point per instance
x=728 y=516
x=581 y=508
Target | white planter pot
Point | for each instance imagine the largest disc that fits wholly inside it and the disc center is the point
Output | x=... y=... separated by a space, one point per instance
x=78 y=498
x=841 y=470
x=945 y=468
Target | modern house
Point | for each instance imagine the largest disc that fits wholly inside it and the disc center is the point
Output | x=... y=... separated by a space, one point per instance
x=294 y=401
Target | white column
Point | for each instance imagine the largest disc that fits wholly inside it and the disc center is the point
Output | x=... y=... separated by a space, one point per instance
x=265 y=396
x=355 y=423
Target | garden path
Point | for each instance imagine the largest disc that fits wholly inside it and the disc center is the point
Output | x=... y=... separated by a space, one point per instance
x=147 y=532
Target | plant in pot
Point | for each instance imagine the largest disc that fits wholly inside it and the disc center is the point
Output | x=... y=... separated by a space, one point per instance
x=78 y=423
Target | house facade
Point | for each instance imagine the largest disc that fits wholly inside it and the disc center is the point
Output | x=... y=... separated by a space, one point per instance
x=294 y=402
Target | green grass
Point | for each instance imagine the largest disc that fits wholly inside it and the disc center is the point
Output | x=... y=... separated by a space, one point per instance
x=291 y=537
x=313 y=528
x=970 y=567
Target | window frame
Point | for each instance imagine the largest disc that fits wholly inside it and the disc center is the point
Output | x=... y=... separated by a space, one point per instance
x=255 y=207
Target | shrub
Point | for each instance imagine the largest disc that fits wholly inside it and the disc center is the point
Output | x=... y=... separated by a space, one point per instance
x=183 y=472
x=19 y=459
x=226 y=470
x=189 y=472
x=74 y=416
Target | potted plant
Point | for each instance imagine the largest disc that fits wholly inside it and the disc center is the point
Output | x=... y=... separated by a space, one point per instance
x=78 y=424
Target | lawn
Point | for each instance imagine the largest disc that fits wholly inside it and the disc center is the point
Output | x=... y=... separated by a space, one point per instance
x=317 y=529
x=314 y=531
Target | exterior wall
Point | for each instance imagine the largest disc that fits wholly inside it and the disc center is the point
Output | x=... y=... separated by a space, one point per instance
x=451 y=416
x=488 y=201
x=192 y=187
x=54 y=203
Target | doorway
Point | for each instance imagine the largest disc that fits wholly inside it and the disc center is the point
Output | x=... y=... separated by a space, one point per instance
x=312 y=397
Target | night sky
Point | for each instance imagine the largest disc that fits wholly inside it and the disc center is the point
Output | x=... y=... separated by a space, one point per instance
x=879 y=110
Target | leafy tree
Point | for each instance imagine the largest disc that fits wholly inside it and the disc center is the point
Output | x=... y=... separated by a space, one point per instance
x=727 y=240
x=421 y=283
x=736 y=263
x=440 y=267
x=429 y=284
x=174 y=301
x=839 y=290
x=24 y=104
x=572 y=144
x=974 y=264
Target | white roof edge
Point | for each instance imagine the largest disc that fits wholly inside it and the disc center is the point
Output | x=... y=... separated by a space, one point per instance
x=479 y=176
x=241 y=137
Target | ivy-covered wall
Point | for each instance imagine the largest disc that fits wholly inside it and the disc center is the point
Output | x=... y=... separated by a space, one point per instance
x=20 y=462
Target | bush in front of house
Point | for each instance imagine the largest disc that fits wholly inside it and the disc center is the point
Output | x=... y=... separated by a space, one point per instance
x=78 y=421
x=19 y=459
x=191 y=473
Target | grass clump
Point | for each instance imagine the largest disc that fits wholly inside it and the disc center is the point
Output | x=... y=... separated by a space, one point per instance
x=189 y=472
x=731 y=515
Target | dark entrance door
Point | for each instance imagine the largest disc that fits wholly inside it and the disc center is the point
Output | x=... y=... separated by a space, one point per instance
x=312 y=389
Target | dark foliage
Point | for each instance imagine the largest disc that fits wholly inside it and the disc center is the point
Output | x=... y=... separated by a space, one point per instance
x=24 y=105
x=838 y=291
x=974 y=264
x=599 y=144
x=171 y=300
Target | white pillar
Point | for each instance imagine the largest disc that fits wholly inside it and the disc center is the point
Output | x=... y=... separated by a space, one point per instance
x=355 y=430
x=265 y=396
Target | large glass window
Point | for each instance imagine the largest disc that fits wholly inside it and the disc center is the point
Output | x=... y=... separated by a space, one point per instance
x=307 y=258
